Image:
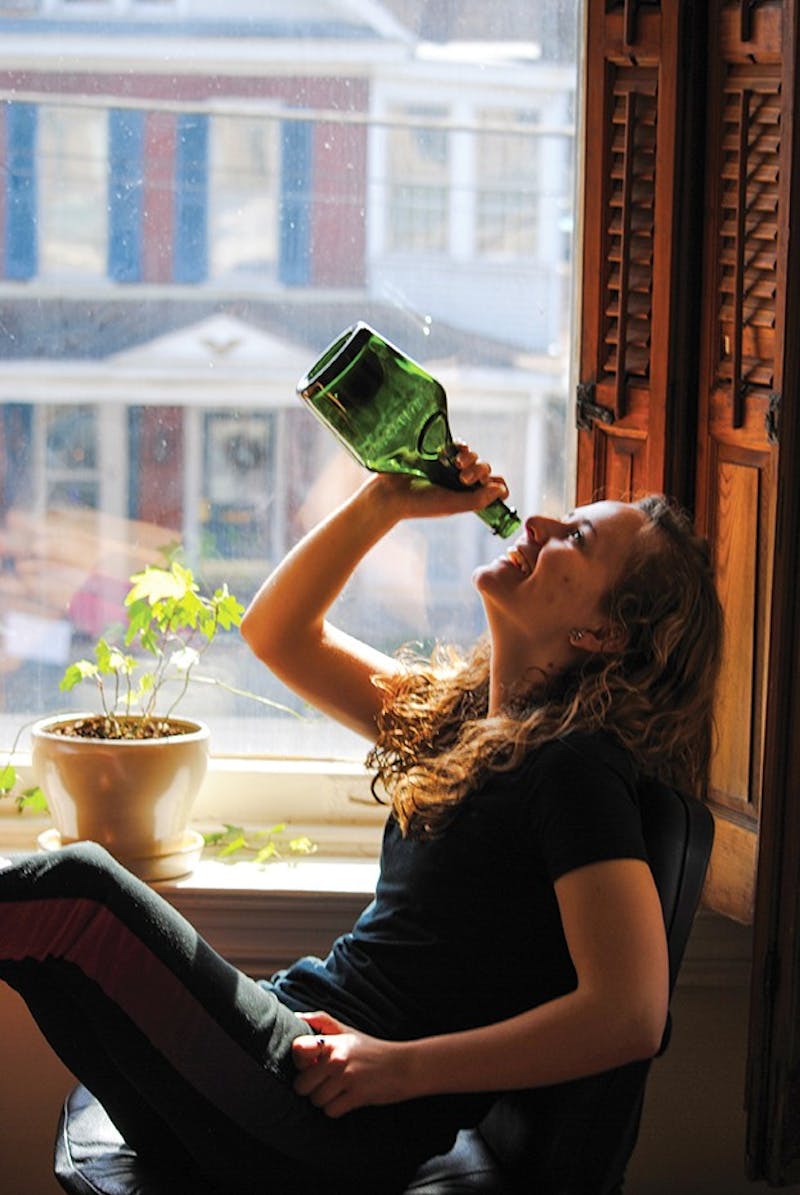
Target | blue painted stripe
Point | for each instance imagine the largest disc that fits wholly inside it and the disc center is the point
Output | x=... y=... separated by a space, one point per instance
x=294 y=260
x=125 y=194
x=16 y=467
x=190 y=250
x=21 y=255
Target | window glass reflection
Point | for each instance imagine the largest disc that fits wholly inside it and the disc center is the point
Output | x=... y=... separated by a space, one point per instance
x=193 y=203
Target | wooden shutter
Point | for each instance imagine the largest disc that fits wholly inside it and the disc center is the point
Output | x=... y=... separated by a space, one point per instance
x=630 y=325
x=739 y=403
x=773 y=1088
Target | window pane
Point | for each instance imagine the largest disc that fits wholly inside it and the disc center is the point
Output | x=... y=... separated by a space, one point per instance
x=73 y=170
x=508 y=198
x=417 y=163
x=243 y=196
x=180 y=244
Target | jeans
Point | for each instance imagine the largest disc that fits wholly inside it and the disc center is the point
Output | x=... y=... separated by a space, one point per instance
x=190 y=1057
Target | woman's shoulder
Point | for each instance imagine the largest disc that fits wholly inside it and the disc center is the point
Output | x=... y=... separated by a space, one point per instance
x=587 y=752
x=583 y=804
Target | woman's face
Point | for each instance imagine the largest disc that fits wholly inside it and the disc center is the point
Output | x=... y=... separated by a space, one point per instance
x=557 y=575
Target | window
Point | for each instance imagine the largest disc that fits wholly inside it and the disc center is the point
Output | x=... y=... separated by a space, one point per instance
x=243 y=197
x=508 y=192
x=418 y=187
x=211 y=224
x=71 y=457
x=73 y=181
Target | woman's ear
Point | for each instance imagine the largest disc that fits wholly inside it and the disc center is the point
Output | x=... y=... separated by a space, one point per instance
x=606 y=640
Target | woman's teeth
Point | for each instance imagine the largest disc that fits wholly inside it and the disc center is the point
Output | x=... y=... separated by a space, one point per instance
x=519 y=561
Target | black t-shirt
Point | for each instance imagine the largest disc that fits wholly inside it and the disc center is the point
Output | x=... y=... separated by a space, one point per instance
x=464 y=928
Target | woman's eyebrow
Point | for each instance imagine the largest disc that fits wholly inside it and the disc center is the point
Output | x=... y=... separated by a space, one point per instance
x=569 y=517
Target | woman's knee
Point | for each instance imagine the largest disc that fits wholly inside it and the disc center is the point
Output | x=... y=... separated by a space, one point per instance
x=80 y=869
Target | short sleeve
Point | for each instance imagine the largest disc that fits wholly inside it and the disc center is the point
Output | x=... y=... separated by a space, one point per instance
x=584 y=807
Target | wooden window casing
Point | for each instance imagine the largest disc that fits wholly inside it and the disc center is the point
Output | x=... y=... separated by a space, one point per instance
x=689 y=381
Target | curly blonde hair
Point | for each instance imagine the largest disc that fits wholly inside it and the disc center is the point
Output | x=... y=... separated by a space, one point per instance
x=436 y=742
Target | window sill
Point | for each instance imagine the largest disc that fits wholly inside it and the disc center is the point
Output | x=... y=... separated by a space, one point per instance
x=262 y=916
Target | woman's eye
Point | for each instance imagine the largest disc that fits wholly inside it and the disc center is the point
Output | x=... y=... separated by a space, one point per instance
x=576 y=535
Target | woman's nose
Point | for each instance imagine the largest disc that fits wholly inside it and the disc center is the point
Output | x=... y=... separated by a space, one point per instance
x=541 y=528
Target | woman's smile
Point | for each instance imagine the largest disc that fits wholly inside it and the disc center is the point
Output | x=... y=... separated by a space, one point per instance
x=518 y=555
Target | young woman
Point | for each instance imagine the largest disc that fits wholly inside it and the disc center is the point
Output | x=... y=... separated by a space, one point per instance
x=515 y=939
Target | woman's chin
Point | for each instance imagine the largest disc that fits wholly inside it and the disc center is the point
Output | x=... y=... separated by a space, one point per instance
x=485 y=574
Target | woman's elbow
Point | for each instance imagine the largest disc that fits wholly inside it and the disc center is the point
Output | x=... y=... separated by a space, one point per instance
x=261 y=639
x=248 y=629
x=643 y=1032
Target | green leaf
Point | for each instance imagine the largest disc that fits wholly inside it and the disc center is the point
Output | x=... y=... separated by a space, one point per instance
x=229 y=609
x=235 y=844
x=157 y=584
x=8 y=778
x=215 y=837
x=302 y=845
x=75 y=673
x=184 y=576
x=33 y=799
x=113 y=662
x=150 y=640
x=232 y=839
x=270 y=851
x=140 y=616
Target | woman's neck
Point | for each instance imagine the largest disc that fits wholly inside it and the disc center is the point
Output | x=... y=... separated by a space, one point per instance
x=507 y=685
x=515 y=670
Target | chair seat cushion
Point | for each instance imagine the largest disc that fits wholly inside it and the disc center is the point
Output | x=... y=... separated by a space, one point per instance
x=91 y=1158
x=469 y=1166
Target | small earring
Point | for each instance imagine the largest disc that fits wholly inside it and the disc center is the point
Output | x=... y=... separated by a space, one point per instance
x=575 y=635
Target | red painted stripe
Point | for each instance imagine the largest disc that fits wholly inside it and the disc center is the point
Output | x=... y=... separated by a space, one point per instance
x=159 y=198
x=338 y=227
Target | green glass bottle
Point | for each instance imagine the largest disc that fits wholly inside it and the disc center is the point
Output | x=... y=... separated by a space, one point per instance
x=389 y=413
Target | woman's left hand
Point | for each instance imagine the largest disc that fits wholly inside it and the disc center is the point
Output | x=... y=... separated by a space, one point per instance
x=341 y=1069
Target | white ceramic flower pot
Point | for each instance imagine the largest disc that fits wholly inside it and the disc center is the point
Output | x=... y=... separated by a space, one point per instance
x=133 y=796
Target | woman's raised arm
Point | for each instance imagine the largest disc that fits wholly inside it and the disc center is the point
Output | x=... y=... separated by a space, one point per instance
x=286 y=625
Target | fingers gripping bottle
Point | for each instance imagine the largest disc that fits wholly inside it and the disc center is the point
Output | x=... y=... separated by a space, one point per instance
x=389 y=413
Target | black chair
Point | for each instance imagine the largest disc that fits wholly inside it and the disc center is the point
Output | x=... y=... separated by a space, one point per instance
x=572 y=1139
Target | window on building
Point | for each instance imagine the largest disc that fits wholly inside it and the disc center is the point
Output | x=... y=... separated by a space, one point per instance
x=510 y=182
x=72 y=191
x=243 y=197
x=418 y=166
x=70 y=437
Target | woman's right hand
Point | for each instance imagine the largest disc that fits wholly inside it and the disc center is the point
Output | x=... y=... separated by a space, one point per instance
x=415 y=498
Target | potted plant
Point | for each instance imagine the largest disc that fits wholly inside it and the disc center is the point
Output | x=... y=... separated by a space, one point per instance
x=127 y=776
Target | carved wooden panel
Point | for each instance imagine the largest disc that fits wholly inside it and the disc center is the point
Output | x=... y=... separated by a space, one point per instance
x=744 y=508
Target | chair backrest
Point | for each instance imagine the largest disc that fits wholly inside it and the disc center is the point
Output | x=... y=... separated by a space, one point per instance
x=576 y=1138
